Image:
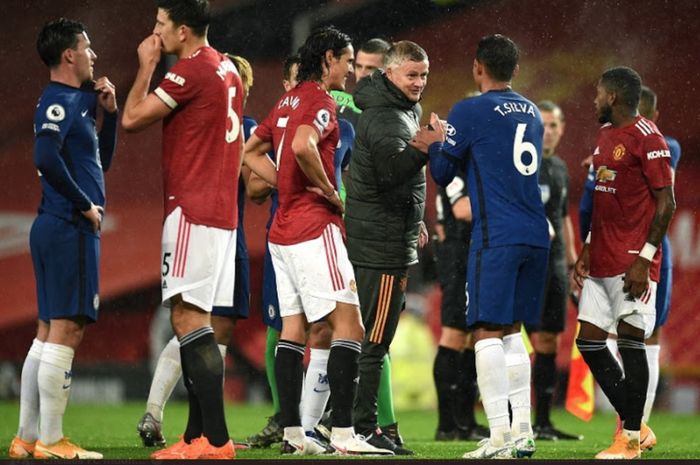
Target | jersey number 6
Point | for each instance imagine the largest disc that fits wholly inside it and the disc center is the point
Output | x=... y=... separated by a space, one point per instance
x=519 y=148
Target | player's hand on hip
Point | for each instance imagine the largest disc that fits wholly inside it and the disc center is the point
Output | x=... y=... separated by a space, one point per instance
x=94 y=215
x=107 y=96
x=581 y=269
x=637 y=277
x=149 y=51
x=333 y=198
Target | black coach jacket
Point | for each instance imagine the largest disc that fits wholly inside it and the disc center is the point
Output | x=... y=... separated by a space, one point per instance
x=386 y=179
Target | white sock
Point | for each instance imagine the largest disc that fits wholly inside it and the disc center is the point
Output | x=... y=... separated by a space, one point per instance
x=55 y=378
x=166 y=376
x=316 y=389
x=29 y=394
x=612 y=347
x=653 y=361
x=493 y=386
x=518 y=368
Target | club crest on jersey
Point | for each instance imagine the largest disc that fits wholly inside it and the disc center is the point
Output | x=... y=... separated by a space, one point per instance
x=353 y=286
x=55 y=113
x=618 y=152
x=603 y=174
x=271 y=312
x=323 y=117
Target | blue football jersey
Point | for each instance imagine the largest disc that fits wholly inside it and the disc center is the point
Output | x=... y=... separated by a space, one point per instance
x=497 y=137
x=344 y=149
x=68 y=114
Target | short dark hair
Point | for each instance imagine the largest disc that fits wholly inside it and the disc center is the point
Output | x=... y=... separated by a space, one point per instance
x=625 y=82
x=375 y=46
x=647 y=102
x=499 y=55
x=312 y=53
x=404 y=50
x=194 y=14
x=55 y=37
x=548 y=106
x=289 y=62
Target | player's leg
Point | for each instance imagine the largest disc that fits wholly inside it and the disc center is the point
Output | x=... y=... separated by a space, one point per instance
x=467 y=390
x=22 y=445
x=446 y=376
x=70 y=258
x=271 y=432
x=663 y=306
x=165 y=377
x=316 y=388
x=529 y=290
x=452 y=269
x=546 y=344
x=382 y=298
x=386 y=416
x=635 y=322
x=492 y=275
x=199 y=275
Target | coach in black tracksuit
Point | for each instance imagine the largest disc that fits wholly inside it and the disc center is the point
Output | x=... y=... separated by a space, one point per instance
x=384 y=212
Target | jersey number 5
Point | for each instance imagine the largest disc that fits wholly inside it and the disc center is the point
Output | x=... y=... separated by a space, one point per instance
x=232 y=134
x=521 y=147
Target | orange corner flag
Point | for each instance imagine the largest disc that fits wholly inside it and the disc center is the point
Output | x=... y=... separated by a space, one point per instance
x=580 y=399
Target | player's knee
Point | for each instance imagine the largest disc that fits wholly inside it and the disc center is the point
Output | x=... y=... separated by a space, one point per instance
x=546 y=342
x=453 y=338
x=320 y=336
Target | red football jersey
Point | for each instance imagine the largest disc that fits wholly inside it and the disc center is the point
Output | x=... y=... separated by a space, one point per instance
x=629 y=162
x=202 y=138
x=301 y=215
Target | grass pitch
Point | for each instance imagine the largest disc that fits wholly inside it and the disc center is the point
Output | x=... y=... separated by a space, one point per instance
x=112 y=431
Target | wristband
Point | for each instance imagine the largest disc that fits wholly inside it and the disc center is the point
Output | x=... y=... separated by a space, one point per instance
x=648 y=251
x=588 y=238
x=329 y=195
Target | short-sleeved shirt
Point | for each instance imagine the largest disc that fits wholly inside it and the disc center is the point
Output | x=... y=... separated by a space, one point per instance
x=498 y=137
x=301 y=215
x=446 y=198
x=554 y=186
x=202 y=138
x=68 y=113
x=629 y=162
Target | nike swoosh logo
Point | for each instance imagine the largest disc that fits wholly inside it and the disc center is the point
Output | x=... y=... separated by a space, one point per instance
x=66 y=387
x=322 y=390
x=83 y=113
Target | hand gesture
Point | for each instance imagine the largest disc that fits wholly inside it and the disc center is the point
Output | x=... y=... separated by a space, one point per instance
x=107 y=97
x=434 y=132
x=149 y=51
x=637 y=277
x=94 y=215
x=333 y=198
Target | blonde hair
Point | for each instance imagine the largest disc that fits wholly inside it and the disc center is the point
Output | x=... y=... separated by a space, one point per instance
x=244 y=69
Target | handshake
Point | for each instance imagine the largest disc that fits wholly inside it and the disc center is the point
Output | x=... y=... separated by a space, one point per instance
x=427 y=135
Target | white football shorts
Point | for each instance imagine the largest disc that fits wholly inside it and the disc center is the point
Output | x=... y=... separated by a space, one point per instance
x=604 y=304
x=198 y=262
x=313 y=275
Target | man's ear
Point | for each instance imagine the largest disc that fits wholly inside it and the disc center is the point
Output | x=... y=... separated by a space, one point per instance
x=516 y=71
x=68 y=55
x=183 y=33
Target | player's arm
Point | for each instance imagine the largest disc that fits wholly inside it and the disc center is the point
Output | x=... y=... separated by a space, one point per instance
x=48 y=160
x=141 y=108
x=637 y=275
x=305 y=148
x=443 y=166
x=255 y=157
